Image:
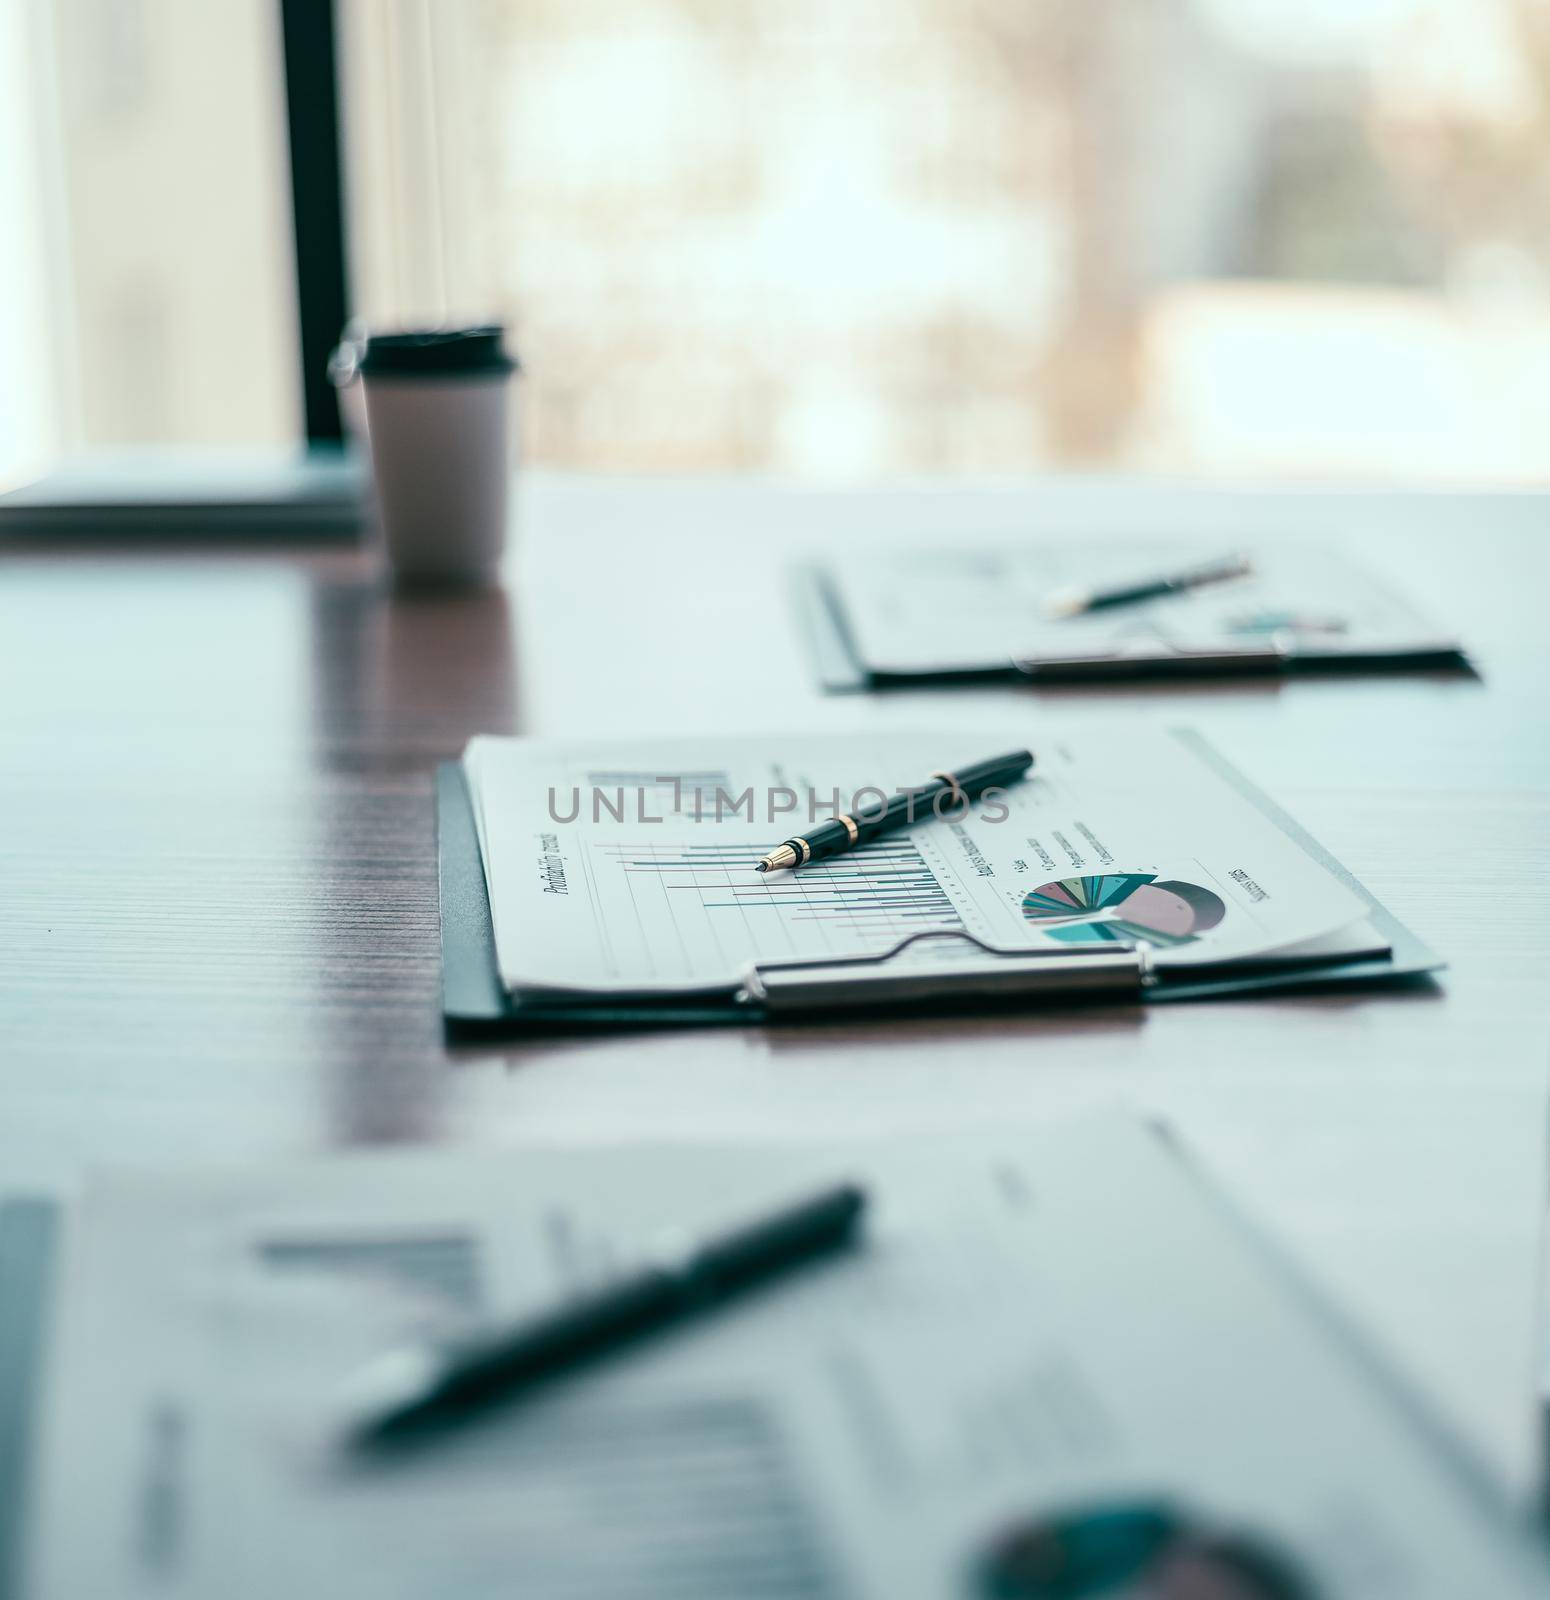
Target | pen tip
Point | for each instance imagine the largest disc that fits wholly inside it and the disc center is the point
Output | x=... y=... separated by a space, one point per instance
x=761 y=866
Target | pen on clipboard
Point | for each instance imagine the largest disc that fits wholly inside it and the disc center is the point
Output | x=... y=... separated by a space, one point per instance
x=408 y=1394
x=908 y=806
x=1078 y=602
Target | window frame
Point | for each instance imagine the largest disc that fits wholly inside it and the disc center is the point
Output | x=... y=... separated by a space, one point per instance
x=309 y=62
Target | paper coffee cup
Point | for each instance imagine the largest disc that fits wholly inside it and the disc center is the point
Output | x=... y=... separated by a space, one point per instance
x=438 y=417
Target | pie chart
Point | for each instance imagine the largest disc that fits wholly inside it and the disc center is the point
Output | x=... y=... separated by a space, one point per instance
x=1123 y=908
x=1077 y=897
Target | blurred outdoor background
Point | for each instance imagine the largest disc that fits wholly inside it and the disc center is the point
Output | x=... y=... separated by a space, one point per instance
x=837 y=238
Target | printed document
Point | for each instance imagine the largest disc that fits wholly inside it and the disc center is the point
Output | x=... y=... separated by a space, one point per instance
x=956 y=610
x=1030 y=1326
x=630 y=869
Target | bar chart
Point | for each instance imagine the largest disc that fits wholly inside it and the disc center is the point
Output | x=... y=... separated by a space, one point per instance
x=717 y=905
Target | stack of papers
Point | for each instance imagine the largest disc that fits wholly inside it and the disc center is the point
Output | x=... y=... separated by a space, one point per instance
x=170 y=494
x=629 y=869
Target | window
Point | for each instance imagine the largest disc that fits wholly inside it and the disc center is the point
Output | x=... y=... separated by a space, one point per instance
x=147 y=296
x=904 y=236
x=828 y=237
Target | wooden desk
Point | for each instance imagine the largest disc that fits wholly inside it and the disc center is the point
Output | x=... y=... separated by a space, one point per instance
x=219 y=937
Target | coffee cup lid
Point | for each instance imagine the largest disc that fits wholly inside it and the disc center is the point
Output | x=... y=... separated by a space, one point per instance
x=437 y=353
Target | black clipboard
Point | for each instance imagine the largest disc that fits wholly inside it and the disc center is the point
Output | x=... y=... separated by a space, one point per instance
x=840 y=667
x=29 y=1249
x=475 y=1002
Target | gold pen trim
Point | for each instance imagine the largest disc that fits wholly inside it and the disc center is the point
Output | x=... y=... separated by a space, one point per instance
x=851 y=827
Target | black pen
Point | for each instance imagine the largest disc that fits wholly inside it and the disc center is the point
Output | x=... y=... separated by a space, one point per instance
x=1076 y=602
x=408 y=1393
x=906 y=807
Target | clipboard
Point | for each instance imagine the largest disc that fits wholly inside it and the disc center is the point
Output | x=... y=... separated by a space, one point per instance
x=475 y=1003
x=1120 y=1156
x=30 y=1228
x=841 y=666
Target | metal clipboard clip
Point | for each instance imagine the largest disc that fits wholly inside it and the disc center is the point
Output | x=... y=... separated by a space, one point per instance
x=869 y=983
x=1149 y=655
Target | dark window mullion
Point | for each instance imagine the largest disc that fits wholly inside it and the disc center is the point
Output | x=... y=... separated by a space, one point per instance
x=317 y=203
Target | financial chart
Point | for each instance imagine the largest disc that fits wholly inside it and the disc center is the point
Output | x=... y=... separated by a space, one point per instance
x=694 y=906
